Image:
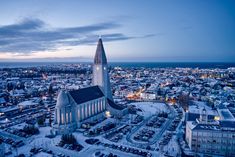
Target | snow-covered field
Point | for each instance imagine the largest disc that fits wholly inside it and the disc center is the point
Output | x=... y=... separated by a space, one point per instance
x=172 y=148
x=150 y=108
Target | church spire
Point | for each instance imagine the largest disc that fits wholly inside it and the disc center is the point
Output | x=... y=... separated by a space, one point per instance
x=100 y=57
x=100 y=71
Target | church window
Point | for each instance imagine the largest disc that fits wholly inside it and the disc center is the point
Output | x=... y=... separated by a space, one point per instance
x=62 y=118
x=99 y=106
x=67 y=117
x=78 y=114
x=87 y=110
x=96 y=104
x=104 y=104
x=93 y=108
x=56 y=116
x=103 y=108
x=82 y=114
x=90 y=109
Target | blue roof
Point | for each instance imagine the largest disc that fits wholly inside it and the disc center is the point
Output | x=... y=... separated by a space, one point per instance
x=86 y=94
x=227 y=124
x=194 y=116
x=226 y=114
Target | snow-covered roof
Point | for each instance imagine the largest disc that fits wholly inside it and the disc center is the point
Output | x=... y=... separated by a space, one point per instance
x=27 y=103
x=199 y=105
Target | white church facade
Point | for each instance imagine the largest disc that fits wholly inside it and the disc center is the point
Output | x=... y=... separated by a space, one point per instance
x=73 y=107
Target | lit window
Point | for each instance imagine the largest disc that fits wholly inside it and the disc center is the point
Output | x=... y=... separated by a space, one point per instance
x=217 y=118
x=62 y=118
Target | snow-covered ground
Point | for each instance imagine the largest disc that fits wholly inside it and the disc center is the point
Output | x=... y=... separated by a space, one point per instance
x=42 y=154
x=172 y=148
x=36 y=141
x=150 y=108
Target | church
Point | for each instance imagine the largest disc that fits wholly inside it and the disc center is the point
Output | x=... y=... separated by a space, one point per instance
x=73 y=107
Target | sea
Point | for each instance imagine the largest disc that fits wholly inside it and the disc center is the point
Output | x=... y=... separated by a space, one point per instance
x=200 y=65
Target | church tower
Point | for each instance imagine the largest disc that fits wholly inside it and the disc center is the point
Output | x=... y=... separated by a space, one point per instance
x=100 y=71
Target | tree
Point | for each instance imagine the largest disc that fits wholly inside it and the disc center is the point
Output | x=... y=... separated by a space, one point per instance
x=50 y=89
x=30 y=130
x=41 y=121
x=10 y=86
x=184 y=101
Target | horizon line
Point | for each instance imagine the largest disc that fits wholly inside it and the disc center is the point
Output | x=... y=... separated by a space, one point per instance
x=22 y=61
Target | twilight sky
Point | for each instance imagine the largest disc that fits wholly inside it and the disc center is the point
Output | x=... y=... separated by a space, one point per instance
x=132 y=30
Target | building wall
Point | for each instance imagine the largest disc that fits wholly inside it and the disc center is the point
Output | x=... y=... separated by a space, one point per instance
x=67 y=119
x=189 y=136
x=148 y=96
x=90 y=108
x=211 y=141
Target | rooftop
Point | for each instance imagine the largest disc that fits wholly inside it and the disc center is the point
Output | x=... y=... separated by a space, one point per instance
x=86 y=94
x=225 y=114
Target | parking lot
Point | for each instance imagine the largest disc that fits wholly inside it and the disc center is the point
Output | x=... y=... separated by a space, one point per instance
x=126 y=149
x=118 y=134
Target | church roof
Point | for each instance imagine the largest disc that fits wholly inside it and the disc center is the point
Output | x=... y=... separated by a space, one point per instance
x=86 y=94
x=100 y=57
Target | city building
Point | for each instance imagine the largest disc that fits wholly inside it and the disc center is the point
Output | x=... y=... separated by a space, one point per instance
x=75 y=106
x=148 y=95
x=211 y=137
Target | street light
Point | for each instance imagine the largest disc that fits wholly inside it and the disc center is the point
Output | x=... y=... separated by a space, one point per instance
x=107 y=114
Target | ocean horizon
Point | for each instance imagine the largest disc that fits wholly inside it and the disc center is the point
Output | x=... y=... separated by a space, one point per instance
x=201 y=65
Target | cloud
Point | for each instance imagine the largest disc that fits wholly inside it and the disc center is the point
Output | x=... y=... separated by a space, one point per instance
x=48 y=59
x=33 y=35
